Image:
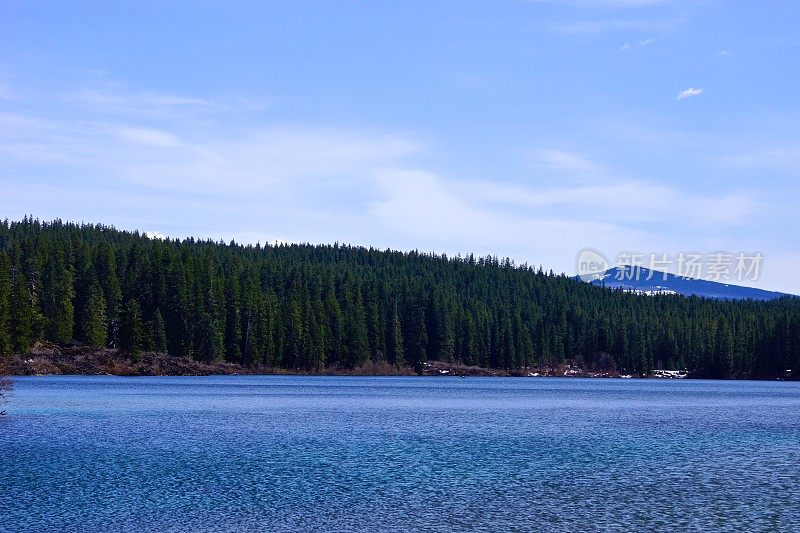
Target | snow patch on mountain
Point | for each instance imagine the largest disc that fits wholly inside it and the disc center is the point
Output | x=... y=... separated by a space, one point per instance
x=640 y=280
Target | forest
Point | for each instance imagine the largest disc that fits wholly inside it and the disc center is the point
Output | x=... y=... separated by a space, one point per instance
x=309 y=307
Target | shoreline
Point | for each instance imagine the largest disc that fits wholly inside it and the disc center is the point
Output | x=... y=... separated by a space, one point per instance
x=52 y=360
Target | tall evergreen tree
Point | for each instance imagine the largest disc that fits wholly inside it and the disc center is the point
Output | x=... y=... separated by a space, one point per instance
x=84 y=277
x=105 y=265
x=6 y=344
x=57 y=296
x=22 y=316
x=159 y=332
x=233 y=322
x=357 y=341
x=94 y=327
x=395 y=341
x=130 y=330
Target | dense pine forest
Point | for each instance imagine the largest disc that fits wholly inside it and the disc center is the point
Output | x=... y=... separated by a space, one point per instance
x=304 y=307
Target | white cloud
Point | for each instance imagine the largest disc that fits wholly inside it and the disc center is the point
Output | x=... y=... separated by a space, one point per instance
x=451 y=218
x=607 y=3
x=166 y=158
x=117 y=99
x=689 y=93
x=149 y=136
x=155 y=235
x=526 y=220
x=623 y=201
x=574 y=164
x=642 y=43
x=595 y=27
x=113 y=98
x=785 y=159
x=324 y=184
x=628 y=22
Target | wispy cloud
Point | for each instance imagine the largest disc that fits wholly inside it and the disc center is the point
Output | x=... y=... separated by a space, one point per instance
x=323 y=184
x=546 y=222
x=607 y=3
x=573 y=164
x=625 y=201
x=414 y=203
x=148 y=136
x=286 y=164
x=595 y=27
x=784 y=159
x=642 y=43
x=114 y=98
x=689 y=93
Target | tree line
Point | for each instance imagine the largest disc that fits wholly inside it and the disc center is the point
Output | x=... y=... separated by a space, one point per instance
x=309 y=307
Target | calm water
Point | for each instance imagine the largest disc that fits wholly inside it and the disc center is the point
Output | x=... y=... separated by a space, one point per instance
x=324 y=453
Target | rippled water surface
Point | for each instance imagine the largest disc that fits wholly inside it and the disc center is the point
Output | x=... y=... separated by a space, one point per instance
x=336 y=453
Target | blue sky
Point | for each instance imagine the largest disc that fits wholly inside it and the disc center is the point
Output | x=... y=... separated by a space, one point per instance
x=530 y=129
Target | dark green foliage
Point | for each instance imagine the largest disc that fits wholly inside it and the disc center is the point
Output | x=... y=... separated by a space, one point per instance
x=57 y=295
x=159 y=332
x=5 y=303
x=130 y=330
x=94 y=327
x=105 y=268
x=395 y=341
x=23 y=316
x=309 y=307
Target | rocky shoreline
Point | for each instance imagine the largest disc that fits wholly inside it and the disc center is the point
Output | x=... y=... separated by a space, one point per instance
x=441 y=368
x=50 y=359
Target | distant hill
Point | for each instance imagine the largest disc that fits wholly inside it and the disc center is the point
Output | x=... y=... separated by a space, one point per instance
x=645 y=281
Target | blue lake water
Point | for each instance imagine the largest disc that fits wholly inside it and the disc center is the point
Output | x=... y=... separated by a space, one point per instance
x=351 y=453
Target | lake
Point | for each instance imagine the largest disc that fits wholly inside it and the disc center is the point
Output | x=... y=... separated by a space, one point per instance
x=273 y=453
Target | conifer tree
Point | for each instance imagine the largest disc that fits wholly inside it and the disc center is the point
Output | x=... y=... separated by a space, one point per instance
x=94 y=327
x=209 y=339
x=420 y=329
x=233 y=322
x=447 y=338
x=470 y=354
x=357 y=342
x=178 y=304
x=84 y=278
x=130 y=330
x=159 y=332
x=57 y=295
x=6 y=344
x=105 y=266
x=395 y=342
x=22 y=316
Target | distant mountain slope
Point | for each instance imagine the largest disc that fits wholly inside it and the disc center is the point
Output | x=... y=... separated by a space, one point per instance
x=646 y=281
